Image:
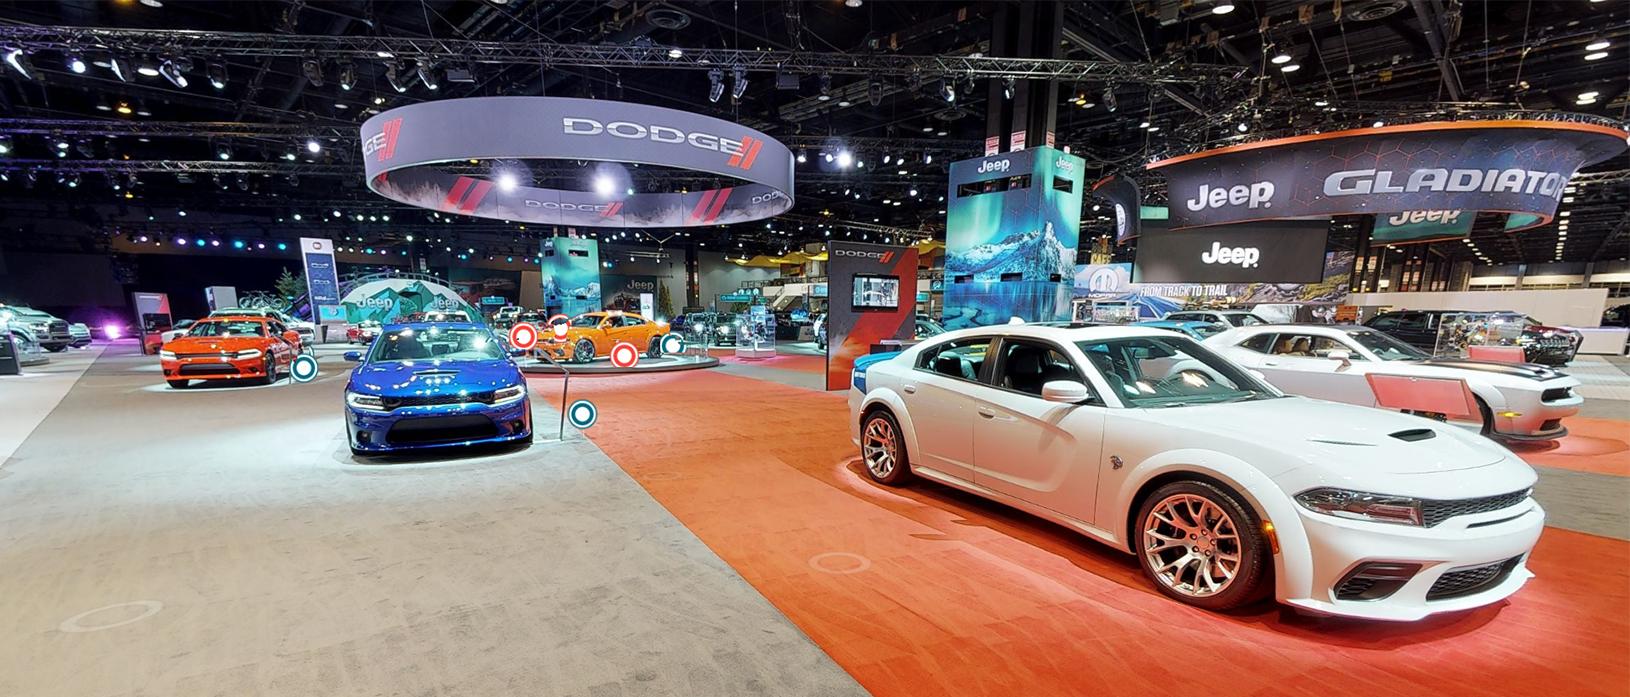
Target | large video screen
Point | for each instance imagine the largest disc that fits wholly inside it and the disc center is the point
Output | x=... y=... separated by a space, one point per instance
x=1287 y=251
x=876 y=292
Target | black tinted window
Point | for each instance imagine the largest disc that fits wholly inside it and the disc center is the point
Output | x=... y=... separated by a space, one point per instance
x=1027 y=365
x=958 y=359
x=1258 y=343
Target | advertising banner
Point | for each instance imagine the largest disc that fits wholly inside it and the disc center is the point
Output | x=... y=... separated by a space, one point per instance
x=623 y=292
x=571 y=275
x=1290 y=251
x=1122 y=195
x=322 y=279
x=1421 y=226
x=1013 y=224
x=1510 y=166
x=475 y=285
x=1113 y=283
x=872 y=287
x=392 y=299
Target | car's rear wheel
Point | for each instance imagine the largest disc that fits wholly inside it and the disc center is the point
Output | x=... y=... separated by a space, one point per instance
x=1487 y=414
x=1201 y=545
x=583 y=352
x=654 y=348
x=884 y=449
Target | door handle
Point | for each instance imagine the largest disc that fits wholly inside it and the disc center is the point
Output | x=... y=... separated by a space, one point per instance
x=1270 y=363
x=908 y=389
x=987 y=412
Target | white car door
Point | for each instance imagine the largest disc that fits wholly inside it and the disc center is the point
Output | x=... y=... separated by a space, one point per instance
x=938 y=394
x=1045 y=453
x=1300 y=364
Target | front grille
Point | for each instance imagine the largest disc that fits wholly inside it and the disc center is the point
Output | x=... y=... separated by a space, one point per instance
x=438 y=400
x=180 y=356
x=208 y=369
x=1471 y=580
x=59 y=327
x=441 y=429
x=1434 y=512
x=1354 y=588
x=1555 y=394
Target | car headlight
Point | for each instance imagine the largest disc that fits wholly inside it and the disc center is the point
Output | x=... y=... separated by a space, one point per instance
x=1358 y=505
x=365 y=402
x=249 y=353
x=166 y=355
x=724 y=330
x=505 y=395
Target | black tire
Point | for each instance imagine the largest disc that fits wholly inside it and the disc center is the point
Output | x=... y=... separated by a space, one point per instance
x=179 y=384
x=58 y=348
x=1484 y=411
x=893 y=444
x=583 y=351
x=1250 y=581
x=654 y=350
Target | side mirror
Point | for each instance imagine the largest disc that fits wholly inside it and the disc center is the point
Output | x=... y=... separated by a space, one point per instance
x=353 y=356
x=1065 y=392
x=517 y=352
x=291 y=336
x=1346 y=357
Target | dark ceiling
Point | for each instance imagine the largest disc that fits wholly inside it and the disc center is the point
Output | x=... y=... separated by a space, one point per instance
x=1366 y=60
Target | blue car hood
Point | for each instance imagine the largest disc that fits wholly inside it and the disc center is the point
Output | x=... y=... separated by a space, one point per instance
x=422 y=378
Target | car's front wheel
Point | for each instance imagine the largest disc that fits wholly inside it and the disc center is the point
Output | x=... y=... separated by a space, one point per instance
x=583 y=352
x=884 y=449
x=654 y=348
x=1201 y=545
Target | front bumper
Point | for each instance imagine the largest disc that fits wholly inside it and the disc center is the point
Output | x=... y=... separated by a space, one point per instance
x=561 y=351
x=439 y=426
x=1541 y=421
x=214 y=368
x=1491 y=548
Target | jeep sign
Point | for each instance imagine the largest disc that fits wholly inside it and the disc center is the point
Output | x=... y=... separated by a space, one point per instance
x=1289 y=251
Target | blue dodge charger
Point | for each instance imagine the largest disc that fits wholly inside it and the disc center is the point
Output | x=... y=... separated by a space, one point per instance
x=435 y=384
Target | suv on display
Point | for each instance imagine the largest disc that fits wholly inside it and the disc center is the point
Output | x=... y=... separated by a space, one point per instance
x=51 y=333
x=1540 y=343
x=1224 y=318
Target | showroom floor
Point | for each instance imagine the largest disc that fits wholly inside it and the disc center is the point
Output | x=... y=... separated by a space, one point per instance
x=713 y=535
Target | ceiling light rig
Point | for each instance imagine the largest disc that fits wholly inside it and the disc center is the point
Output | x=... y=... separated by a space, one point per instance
x=18 y=60
x=216 y=71
x=393 y=75
x=174 y=70
x=715 y=78
x=738 y=82
x=313 y=70
x=348 y=75
x=427 y=74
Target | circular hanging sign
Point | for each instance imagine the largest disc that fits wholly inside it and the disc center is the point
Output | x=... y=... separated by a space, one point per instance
x=673 y=343
x=421 y=155
x=523 y=336
x=582 y=414
x=303 y=369
x=559 y=328
x=625 y=355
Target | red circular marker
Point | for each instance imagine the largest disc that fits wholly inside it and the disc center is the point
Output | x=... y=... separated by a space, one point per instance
x=559 y=328
x=523 y=335
x=625 y=355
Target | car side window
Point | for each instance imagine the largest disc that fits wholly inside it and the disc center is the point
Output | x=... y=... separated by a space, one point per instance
x=1027 y=365
x=1183 y=317
x=632 y=321
x=1307 y=346
x=1384 y=322
x=963 y=359
x=1259 y=343
x=1412 y=321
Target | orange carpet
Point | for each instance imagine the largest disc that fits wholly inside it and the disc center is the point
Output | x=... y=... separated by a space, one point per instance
x=1592 y=445
x=927 y=591
x=784 y=361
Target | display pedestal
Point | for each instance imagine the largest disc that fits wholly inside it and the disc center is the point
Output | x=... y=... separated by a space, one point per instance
x=750 y=352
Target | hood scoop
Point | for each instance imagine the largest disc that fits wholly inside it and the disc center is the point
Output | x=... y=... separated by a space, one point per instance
x=1414 y=434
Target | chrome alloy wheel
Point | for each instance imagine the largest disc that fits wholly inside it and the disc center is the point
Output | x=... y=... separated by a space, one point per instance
x=878 y=447
x=1192 y=545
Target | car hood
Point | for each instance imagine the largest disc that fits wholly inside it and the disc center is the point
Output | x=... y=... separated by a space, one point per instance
x=421 y=378
x=213 y=344
x=1516 y=370
x=1330 y=434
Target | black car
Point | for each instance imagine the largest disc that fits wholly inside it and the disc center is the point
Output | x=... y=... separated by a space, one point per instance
x=1419 y=328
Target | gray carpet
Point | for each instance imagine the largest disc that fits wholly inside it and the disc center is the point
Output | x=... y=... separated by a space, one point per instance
x=268 y=562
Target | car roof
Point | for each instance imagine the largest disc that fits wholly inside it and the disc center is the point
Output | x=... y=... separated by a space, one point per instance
x=439 y=325
x=255 y=318
x=1066 y=333
x=1348 y=328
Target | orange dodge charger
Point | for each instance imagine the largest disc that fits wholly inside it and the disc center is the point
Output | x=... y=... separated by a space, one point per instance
x=593 y=334
x=230 y=348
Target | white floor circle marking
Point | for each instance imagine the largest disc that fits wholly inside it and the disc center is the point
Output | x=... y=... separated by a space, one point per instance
x=815 y=563
x=72 y=625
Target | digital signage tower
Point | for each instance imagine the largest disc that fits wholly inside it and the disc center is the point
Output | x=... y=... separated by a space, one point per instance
x=571 y=275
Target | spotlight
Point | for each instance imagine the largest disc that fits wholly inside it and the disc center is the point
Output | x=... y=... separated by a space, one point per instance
x=313 y=70
x=73 y=181
x=1007 y=88
x=506 y=182
x=603 y=185
x=172 y=70
x=216 y=70
x=1243 y=127
x=947 y=92
x=715 y=90
x=826 y=88
x=121 y=67
x=676 y=53
x=1601 y=45
x=243 y=182
x=845 y=159
x=62 y=144
x=102 y=104
x=393 y=75
x=147 y=67
x=928 y=158
x=314 y=147
x=874 y=92
x=348 y=75
x=803 y=155
x=5 y=145
x=19 y=61
x=1109 y=99
x=886 y=158
x=223 y=151
x=427 y=74
x=141 y=109
x=1596 y=56
x=1290 y=67
x=76 y=64
x=1280 y=59
x=1222 y=8
x=827 y=156
x=738 y=82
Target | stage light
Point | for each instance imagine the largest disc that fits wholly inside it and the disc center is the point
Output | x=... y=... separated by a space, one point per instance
x=1243 y=127
x=237 y=244
x=947 y=92
x=336 y=214
x=147 y=67
x=216 y=70
x=715 y=90
x=76 y=64
x=181 y=240
x=181 y=213
x=1290 y=67
x=1222 y=8
x=603 y=185
x=1598 y=45
x=102 y=104
x=314 y=147
x=393 y=75
x=1109 y=99
x=281 y=246
x=223 y=151
x=826 y=88
x=5 y=145
x=427 y=74
x=676 y=53
x=803 y=156
x=73 y=181
x=874 y=92
x=348 y=75
x=1007 y=88
x=141 y=109
x=1596 y=56
x=173 y=71
x=845 y=159
x=18 y=60
x=827 y=156
x=506 y=182
x=120 y=67
x=62 y=144
x=738 y=82
x=1144 y=124
x=1280 y=59
x=886 y=158
x=313 y=70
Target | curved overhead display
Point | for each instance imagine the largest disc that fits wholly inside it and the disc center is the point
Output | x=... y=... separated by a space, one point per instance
x=406 y=149
x=1494 y=166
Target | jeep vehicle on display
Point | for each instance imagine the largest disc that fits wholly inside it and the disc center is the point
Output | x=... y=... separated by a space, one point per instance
x=1540 y=344
x=713 y=328
x=363 y=332
x=81 y=333
x=51 y=333
x=1221 y=318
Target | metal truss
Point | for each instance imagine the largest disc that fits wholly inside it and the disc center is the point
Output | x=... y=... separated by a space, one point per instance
x=452 y=51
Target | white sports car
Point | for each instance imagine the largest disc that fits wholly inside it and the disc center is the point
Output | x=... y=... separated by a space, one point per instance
x=1225 y=489
x=1517 y=401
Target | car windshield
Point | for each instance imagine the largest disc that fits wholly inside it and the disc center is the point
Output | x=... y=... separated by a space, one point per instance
x=1244 y=319
x=586 y=321
x=228 y=328
x=1205 y=330
x=1387 y=348
x=436 y=343
x=927 y=328
x=1173 y=371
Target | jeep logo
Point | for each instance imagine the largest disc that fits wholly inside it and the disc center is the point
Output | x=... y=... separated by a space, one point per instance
x=1246 y=257
x=1064 y=165
x=994 y=166
x=1440 y=217
x=1258 y=195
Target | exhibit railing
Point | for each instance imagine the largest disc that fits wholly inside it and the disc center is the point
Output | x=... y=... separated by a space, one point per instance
x=565 y=391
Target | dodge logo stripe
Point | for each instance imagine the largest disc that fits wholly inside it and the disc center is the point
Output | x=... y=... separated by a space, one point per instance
x=735 y=159
x=701 y=206
x=482 y=186
x=718 y=205
x=751 y=154
x=457 y=194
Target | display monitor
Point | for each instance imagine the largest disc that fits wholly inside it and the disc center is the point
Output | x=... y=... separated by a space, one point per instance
x=873 y=292
x=1287 y=251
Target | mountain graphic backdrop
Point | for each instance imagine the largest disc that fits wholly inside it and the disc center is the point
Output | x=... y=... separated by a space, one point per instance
x=1037 y=255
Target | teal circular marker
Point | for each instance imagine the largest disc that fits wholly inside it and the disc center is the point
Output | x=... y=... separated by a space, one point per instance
x=582 y=413
x=303 y=369
x=673 y=343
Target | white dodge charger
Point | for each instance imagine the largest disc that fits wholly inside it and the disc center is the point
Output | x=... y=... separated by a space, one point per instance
x=1224 y=488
